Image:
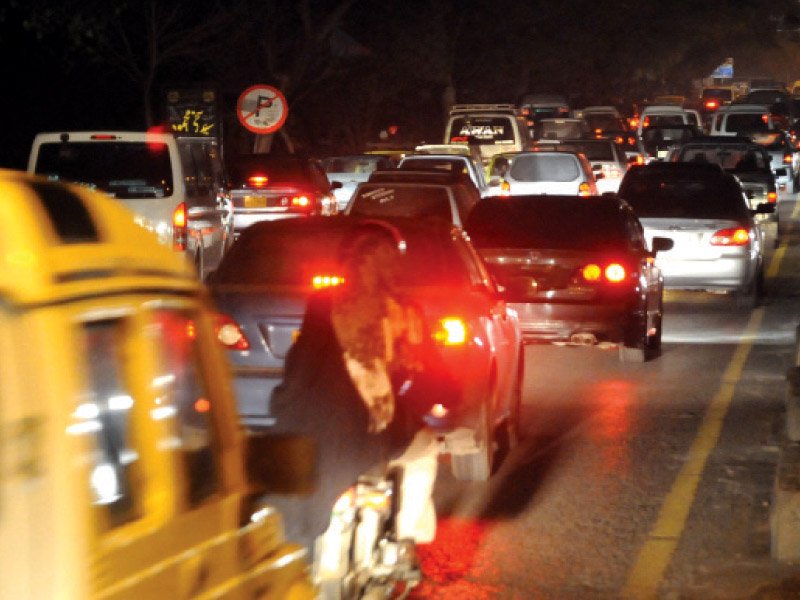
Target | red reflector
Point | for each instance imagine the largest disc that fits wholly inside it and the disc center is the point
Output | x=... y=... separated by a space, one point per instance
x=103 y=136
x=731 y=237
x=765 y=118
x=257 y=180
x=230 y=334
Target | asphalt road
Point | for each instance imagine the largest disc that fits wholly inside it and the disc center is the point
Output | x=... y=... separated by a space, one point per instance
x=638 y=481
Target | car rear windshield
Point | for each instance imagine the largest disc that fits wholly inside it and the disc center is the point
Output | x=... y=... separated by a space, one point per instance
x=746 y=122
x=719 y=93
x=540 y=167
x=290 y=259
x=594 y=150
x=557 y=130
x=354 y=164
x=278 y=170
x=482 y=130
x=729 y=157
x=434 y=164
x=546 y=225
x=655 y=195
x=604 y=122
x=388 y=200
x=121 y=169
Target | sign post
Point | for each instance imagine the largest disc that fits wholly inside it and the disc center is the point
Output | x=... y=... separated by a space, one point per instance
x=262 y=109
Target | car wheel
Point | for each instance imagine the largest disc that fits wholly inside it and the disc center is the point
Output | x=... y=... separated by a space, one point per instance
x=654 y=341
x=476 y=464
x=634 y=347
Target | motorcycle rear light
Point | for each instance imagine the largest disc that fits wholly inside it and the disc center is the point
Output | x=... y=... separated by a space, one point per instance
x=738 y=236
x=319 y=282
x=257 y=181
x=229 y=334
x=179 y=231
x=451 y=331
x=584 y=190
x=772 y=197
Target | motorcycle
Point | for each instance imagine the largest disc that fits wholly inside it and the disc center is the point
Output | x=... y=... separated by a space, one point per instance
x=369 y=548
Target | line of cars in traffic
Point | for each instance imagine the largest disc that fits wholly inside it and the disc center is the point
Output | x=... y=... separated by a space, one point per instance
x=533 y=253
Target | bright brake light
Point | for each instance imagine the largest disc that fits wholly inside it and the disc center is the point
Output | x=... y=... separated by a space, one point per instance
x=230 y=334
x=179 y=232
x=612 y=273
x=711 y=104
x=319 y=282
x=450 y=331
x=257 y=181
x=772 y=197
x=731 y=237
x=301 y=202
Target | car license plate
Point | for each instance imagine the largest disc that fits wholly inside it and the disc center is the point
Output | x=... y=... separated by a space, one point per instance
x=255 y=202
x=662 y=153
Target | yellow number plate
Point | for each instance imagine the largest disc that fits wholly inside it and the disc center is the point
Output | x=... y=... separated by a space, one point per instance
x=255 y=202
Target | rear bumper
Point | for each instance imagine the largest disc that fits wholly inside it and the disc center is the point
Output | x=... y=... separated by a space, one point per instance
x=542 y=322
x=723 y=274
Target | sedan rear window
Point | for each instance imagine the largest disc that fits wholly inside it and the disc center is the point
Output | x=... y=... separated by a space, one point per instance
x=401 y=201
x=559 y=224
x=288 y=259
x=656 y=196
x=545 y=168
x=121 y=169
x=599 y=150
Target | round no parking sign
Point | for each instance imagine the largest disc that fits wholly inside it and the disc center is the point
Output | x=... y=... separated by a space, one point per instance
x=262 y=109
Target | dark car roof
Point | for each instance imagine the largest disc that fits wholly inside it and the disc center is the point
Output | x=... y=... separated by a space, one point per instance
x=678 y=169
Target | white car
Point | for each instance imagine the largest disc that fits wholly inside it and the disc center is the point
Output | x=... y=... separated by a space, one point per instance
x=545 y=172
x=351 y=170
x=607 y=159
x=742 y=119
x=662 y=114
x=450 y=163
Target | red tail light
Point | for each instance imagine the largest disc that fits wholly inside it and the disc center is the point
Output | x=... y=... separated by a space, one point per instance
x=584 y=189
x=230 y=334
x=772 y=197
x=633 y=122
x=319 y=282
x=738 y=236
x=787 y=159
x=711 y=104
x=450 y=331
x=302 y=201
x=257 y=181
x=639 y=159
x=646 y=122
x=612 y=273
x=179 y=230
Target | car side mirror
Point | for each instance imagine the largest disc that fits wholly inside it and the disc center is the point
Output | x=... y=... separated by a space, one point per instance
x=662 y=244
x=280 y=463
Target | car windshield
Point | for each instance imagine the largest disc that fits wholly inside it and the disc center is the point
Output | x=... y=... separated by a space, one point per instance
x=729 y=157
x=544 y=167
x=546 y=225
x=387 y=200
x=354 y=164
x=482 y=130
x=658 y=196
x=292 y=259
x=121 y=169
x=277 y=169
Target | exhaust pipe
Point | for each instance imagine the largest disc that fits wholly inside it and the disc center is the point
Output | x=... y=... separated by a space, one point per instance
x=583 y=338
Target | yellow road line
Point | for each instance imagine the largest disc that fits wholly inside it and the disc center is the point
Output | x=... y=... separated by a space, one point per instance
x=654 y=557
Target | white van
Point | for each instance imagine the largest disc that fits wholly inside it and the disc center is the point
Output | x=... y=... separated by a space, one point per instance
x=493 y=128
x=742 y=120
x=175 y=186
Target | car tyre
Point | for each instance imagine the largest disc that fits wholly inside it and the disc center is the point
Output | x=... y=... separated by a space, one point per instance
x=634 y=348
x=750 y=296
x=476 y=465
